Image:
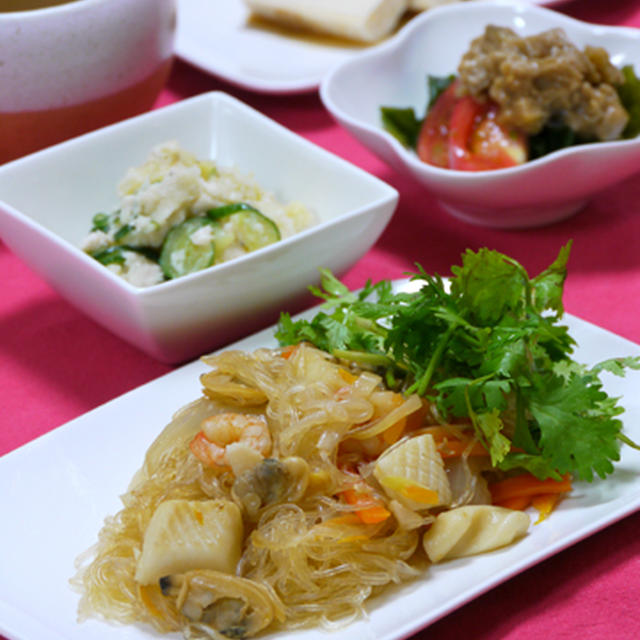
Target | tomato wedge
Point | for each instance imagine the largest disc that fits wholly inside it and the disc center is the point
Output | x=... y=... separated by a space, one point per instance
x=433 y=140
x=477 y=142
x=464 y=134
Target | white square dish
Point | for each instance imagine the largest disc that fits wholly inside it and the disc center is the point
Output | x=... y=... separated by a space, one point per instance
x=47 y=201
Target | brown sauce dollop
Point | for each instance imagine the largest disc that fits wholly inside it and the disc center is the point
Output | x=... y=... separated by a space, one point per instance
x=538 y=78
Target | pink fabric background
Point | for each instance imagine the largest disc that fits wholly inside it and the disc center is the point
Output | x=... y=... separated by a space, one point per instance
x=56 y=364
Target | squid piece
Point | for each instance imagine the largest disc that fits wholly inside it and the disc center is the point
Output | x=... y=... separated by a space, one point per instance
x=412 y=472
x=234 y=607
x=473 y=529
x=183 y=535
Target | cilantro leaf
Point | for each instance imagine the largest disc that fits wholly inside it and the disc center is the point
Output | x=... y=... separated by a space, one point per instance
x=574 y=436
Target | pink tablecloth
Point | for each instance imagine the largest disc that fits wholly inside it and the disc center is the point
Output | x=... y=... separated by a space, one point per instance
x=56 y=364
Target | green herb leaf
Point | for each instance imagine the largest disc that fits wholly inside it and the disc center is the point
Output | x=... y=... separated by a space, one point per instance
x=401 y=123
x=629 y=93
x=553 y=136
x=437 y=85
x=100 y=222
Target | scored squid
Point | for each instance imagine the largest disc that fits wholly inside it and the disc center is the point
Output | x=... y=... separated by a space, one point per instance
x=188 y=534
x=473 y=529
x=413 y=473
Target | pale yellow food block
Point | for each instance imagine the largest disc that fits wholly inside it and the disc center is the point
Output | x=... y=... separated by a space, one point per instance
x=364 y=20
x=413 y=473
x=184 y=535
x=473 y=529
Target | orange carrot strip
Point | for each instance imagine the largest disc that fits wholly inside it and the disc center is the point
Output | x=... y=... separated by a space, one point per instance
x=420 y=494
x=370 y=510
x=393 y=433
x=144 y=591
x=449 y=446
x=416 y=419
x=518 y=503
x=527 y=485
x=288 y=351
x=545 y=504
x=373 y=515
x=347 y=376
x=455 y=449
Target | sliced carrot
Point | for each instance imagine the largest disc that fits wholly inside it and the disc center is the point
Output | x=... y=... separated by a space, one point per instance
x=456 y=448
x=347 y=376
x=416 y=419
x=393 y=433
x=145 y=593
x=545 y=504
x=373 y=515
x=450 y=446
x=369 y=510
x=518 y=503
x=288 y=351
x=411 y=490
x=420 y=494
x=527 y=485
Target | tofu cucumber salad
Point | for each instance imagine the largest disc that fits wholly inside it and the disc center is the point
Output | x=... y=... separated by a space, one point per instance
x=178 y=214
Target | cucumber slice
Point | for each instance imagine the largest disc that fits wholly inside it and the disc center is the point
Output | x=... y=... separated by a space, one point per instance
x=253 y=229
x=180 y=255
x=228 y=209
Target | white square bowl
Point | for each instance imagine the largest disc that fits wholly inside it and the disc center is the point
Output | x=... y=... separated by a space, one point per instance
x=47 y=201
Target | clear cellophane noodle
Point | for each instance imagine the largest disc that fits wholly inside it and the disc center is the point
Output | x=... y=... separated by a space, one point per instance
x=318 y=564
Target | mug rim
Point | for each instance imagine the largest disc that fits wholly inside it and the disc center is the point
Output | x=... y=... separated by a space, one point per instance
x=69 y=6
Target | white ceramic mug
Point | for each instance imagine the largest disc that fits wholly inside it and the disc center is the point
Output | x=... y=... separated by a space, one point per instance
x=69 y=68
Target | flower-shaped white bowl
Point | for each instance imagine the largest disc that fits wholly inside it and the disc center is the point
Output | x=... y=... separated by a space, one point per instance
x=395 y=74
x=47 y=201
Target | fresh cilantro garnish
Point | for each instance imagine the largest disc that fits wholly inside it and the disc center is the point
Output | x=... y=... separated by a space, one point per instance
x=489 y=346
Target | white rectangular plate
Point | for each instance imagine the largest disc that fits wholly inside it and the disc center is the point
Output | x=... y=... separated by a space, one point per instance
x=214 y=35
x=57 y=490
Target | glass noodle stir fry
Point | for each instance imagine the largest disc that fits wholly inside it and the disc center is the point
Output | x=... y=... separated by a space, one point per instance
x=178 y=215
x=397 y=430
x=515 y=99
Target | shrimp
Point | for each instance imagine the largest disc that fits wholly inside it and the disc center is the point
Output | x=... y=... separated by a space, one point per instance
x=232 y=440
